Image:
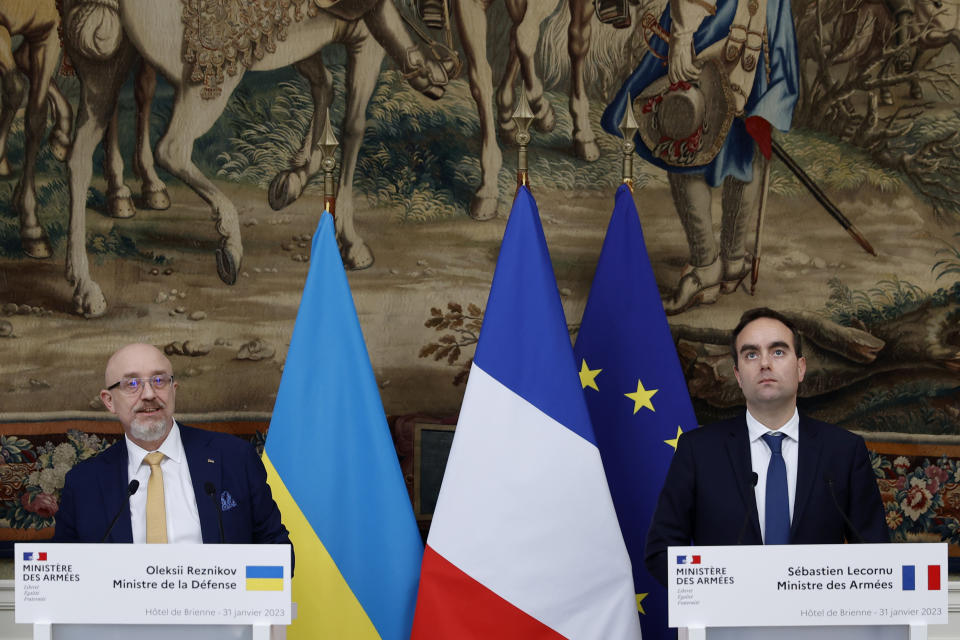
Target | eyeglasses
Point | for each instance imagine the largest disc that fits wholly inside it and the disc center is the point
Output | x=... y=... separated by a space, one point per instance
x=134 y=386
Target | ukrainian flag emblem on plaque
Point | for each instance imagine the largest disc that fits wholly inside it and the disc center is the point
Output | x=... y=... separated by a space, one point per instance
x=264 y=578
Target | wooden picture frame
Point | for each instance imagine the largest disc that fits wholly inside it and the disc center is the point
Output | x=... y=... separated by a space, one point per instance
x=431 y=448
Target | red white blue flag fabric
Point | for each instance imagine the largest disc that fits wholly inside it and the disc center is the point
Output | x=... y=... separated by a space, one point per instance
x=524 y=541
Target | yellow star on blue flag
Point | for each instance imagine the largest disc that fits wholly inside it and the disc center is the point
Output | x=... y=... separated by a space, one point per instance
x=588 y=376
x=673 y=441
x=641 y=397
x=640 y=598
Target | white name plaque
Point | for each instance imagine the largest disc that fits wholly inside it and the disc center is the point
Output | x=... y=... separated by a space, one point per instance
x=801 y=585
x=236 y=584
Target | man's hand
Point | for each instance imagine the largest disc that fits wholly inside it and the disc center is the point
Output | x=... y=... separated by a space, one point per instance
x=680 y=64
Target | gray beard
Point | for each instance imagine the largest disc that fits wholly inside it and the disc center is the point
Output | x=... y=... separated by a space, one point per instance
x=148 y=431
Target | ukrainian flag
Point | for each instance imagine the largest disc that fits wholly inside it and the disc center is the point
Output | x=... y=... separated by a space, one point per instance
x=334 y=473
x=264 y=578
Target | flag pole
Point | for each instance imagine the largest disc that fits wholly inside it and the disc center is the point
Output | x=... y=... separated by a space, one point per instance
x=523 y=118
x=628 y=129
x=328 y=144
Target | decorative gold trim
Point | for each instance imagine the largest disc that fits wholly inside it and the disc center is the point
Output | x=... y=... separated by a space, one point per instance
x=222 y=35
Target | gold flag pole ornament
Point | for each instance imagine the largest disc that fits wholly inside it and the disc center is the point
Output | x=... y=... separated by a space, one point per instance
x=328 y=144
x=523 y=118
x=628 y=129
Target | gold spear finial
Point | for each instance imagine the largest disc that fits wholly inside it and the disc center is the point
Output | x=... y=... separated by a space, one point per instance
x=328 y=144
x=523 y=117
x=628 y=128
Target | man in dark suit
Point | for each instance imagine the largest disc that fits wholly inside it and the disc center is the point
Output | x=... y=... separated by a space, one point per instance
x=202 y=477
x=715 y=492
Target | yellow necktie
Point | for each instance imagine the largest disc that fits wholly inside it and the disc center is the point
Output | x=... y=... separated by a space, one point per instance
x=156 y=511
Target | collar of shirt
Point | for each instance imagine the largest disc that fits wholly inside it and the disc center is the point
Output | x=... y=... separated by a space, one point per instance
x=171 y=447
x=791 y=429
x=183 y=518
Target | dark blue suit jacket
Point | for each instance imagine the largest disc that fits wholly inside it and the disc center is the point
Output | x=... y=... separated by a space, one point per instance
x=95 y=490
x=707 y=495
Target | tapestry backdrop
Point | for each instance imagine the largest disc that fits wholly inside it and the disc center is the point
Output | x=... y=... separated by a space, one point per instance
x=175 y=175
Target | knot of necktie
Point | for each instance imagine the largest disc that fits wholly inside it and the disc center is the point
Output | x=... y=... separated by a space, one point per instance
x=154 y=459
x=774 y=441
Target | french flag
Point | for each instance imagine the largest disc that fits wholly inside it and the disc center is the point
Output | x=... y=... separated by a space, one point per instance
x=34 y=556
x=688 y=559
x=524 y=541
x=909 y=577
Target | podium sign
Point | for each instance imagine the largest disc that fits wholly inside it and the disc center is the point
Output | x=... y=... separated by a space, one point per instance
x=807 y=585
x=240 y=584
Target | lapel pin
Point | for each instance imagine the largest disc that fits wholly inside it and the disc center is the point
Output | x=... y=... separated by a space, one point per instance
x=210 y=460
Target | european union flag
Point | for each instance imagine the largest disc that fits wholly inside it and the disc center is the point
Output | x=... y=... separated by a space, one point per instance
x=636 y=393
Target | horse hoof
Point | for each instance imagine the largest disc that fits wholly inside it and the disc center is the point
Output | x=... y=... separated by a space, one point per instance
x=431 y=91
x=35 y=244
x=88 y=300
x=285 y=188
x=59 y=148
x=586 y=150
x=357 y=256
x=120 y=207
x=546 y=120
x=483 y=208
x=227 y=264
x=156 y=200
x=424 y=74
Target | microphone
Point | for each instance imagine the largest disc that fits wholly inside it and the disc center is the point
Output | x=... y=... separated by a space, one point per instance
x=754 y=479
x=131 y=489
x=828 y=478
x=211 y=491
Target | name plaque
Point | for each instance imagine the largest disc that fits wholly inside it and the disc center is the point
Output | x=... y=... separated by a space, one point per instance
x=807 y=585
x=152 y=584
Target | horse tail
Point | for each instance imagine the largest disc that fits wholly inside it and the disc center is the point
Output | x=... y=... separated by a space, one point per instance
x=552 y=47
x=92 y=28
x=612 y=55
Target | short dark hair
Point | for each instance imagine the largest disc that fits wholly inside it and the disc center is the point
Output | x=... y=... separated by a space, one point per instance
x=764 y=312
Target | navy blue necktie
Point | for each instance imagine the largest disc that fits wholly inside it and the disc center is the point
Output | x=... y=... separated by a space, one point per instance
x=777 y=510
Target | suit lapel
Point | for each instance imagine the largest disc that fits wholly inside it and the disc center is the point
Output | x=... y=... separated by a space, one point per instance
x=113 y=488
x=738 y=449
x=204 y=463
x=808 y=462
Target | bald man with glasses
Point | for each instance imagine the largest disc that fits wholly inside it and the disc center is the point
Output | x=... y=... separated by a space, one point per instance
x=180 y=482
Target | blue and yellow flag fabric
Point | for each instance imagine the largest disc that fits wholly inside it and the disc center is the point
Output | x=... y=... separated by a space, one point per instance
x=334 y=473
x=636 y=393
x=264 y=578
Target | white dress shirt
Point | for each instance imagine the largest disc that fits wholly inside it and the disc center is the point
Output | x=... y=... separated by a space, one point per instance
x=180 y=501
x=760 y=459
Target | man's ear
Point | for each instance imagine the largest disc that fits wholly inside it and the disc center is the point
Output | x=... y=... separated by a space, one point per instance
x=801 y=368
x=107 y=400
